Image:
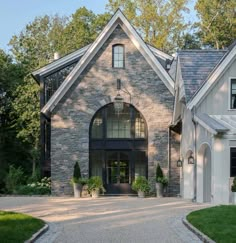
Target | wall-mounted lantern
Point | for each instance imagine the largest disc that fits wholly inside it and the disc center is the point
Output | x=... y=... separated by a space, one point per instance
x=191 y=160
x=179 y=163
x=118 y=104
x=119 y=101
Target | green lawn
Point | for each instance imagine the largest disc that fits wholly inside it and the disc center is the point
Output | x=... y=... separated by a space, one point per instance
x=17 y=227
x=218 y=223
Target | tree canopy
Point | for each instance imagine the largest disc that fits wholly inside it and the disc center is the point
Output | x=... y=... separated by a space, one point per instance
x=217 y=22
x=160 y=22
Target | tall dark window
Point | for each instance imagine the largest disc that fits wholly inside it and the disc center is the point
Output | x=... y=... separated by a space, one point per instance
x=118 y=126
x=233 y=162
x=118 y=60
x=97 y=127
x=233 y=94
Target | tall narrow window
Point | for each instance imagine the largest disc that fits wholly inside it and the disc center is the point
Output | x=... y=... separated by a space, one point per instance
x=233 y=94
x=118 y=60
x=233 y=162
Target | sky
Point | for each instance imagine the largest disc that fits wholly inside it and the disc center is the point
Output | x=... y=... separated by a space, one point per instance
x=15 y=14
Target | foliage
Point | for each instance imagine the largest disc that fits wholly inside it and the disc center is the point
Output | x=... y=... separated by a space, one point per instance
x=17 y=227
x=76 y=173
x=12 y=150
x=233 y=187
x=217 y=23
x=160 y=177
x=14 y=178
x=159 y=173
x=216 y=222
x=36 y=188
x=95 y=183
x=82 y=29
x=160 y=22
x=141 y=184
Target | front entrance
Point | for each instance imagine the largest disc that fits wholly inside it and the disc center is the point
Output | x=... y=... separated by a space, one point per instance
x=118 y=148
x=118 y=172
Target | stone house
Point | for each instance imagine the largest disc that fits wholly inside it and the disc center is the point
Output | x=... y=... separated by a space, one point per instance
x=118 y=107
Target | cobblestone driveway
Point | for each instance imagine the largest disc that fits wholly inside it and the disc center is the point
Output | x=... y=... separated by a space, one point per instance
x=108 y=219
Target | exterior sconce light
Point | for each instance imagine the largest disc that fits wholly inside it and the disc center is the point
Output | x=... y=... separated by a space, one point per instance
x=179 y=163
x=191 y=160
x=119 y=101
x=118 y=104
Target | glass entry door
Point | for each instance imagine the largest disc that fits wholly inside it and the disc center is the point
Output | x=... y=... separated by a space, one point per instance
x=118 y=172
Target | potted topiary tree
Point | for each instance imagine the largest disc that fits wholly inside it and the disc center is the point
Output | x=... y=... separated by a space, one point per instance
x=233 y=189
x=161 y=181
x=95 y=186
x=141 y=186
x=76 y=180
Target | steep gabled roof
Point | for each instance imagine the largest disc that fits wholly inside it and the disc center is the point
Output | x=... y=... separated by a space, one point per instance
x=196 y=66
x=213 y=76
x=72 y=57
x=117 y=19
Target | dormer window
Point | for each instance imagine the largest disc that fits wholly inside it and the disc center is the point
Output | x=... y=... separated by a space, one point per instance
x=233 y=94
x=118 y=59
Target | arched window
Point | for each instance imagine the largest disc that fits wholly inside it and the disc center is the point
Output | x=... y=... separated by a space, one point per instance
x=118 y=57
x=129 y=124
x=118 y=146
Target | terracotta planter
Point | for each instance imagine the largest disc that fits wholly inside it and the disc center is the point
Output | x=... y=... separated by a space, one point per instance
x=95 y=193
x=77 y=190
x=234 y=198
x=159 y=189
x=141 y=194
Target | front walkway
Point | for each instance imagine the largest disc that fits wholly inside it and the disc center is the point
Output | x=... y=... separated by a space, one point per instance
x=108 y=219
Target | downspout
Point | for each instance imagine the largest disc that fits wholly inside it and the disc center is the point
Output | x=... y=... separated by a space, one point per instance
x=168 y=151
x=195 y=157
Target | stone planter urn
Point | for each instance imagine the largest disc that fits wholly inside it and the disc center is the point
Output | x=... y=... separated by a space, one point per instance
x=159 y=189
x=234 y=198
x=77 y=189
x=141 y=194
x=95 y=193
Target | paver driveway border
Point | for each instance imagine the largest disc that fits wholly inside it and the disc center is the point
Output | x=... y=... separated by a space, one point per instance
x=108 y=219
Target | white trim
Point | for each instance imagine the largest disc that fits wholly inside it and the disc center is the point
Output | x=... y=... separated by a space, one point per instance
x=203 y=91
x=61 y=61
x=206 y=144
x=204 y=125
x=229 y=94
x=160 y=53
x=117 y=19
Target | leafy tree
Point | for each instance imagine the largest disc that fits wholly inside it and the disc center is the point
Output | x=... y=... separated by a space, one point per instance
x=34 y=48
x=82 y=29
x=217 y=23
x=27 y=122
x=12 y=150
x=35 y=45
x=191 y=41
x=160 y=22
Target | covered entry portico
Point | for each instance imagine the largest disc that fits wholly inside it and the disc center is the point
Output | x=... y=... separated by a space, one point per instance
x=118 y=147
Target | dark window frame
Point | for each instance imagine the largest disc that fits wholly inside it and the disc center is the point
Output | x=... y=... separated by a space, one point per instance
x=134 y=113
x=232 y=149
x=113 y=55
x=232 y=106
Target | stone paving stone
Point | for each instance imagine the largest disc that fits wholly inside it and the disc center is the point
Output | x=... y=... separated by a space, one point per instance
x=108 y=219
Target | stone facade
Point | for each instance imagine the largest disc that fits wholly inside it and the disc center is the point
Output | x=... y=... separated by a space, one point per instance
x=95 y=88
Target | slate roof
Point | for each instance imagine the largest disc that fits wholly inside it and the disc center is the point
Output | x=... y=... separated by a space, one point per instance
x=196 y=66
